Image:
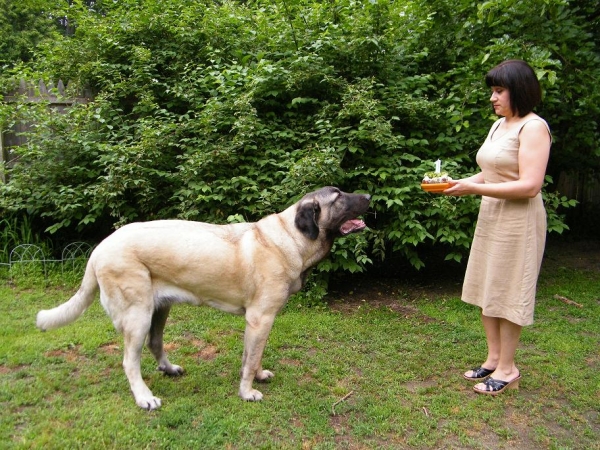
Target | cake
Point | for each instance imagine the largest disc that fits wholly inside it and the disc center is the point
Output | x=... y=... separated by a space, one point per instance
x=435 y=181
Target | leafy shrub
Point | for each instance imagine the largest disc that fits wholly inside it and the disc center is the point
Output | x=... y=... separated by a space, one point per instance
x=230 y=111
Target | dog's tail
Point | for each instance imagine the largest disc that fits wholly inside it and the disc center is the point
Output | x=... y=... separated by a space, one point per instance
x=69 y=311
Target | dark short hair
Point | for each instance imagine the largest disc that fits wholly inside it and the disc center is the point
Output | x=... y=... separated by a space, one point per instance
x=519 y=78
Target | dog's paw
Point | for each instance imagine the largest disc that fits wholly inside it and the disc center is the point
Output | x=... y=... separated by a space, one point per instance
x=172 y=370
x=251 y=396
x=148 y=403
x=264 y=375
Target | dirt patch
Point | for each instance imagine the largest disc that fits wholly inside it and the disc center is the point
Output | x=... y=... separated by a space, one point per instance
x=71 y=353
x=582 y=255
x=395 y=292
x=208 y=353
x=395 y=286
x=5 y=370
x=111 y=348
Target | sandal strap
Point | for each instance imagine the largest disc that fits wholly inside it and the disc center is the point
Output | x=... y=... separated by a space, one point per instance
x=480 y=372
x=493 y=385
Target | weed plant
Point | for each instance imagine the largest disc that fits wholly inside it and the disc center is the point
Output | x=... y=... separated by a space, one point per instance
x=16 y=231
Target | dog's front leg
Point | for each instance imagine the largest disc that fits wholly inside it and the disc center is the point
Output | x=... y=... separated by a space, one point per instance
x=258 y=327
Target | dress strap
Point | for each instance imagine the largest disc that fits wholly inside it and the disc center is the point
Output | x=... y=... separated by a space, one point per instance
x=535 y=118
x=495 y=127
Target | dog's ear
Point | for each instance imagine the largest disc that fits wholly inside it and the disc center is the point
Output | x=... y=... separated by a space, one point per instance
x=307 y=219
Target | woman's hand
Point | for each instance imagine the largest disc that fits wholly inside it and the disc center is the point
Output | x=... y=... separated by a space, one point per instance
x=465 y=186
x=457 y=187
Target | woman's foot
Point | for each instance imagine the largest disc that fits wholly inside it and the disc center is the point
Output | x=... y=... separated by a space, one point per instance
x=478 y=373
x=492 y=386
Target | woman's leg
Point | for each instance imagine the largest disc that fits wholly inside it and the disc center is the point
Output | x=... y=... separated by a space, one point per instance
x=493 y=336
x=506 y=375
x=510 y=333
x=491 y=325
x=502 y=341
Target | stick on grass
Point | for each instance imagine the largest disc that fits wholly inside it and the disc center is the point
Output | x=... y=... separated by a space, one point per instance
x=345 y=397
x=567 y=301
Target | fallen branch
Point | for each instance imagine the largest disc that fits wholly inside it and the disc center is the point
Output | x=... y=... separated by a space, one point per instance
x=567 y=301
x=345 y=397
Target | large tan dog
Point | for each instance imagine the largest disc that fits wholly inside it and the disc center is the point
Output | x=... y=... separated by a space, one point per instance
x=142 y=269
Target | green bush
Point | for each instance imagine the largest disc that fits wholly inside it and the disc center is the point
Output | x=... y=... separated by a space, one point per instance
x=228 y=111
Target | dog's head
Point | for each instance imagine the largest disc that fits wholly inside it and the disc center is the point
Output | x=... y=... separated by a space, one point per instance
x=331 y=211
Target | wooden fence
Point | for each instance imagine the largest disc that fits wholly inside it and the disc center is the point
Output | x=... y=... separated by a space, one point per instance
x=581 y=186
x=58 y=97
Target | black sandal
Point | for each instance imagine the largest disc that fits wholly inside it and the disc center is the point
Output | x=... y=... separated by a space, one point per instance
x=495 y=387
x=479 y=373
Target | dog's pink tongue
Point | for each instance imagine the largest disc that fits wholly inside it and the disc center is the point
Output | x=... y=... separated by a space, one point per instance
x=352 y=226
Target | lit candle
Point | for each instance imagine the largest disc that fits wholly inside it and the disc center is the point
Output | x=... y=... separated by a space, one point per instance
x=438 y=166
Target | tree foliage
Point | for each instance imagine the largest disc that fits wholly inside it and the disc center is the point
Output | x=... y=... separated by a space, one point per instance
x=24 y=25
x=228 y=111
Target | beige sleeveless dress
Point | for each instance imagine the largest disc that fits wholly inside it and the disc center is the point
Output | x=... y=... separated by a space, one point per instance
x=508 y=246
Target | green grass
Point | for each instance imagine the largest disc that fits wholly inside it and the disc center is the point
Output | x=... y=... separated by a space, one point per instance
x=365 y=378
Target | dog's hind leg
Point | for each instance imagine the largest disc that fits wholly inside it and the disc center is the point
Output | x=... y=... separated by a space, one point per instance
x=155 y=342
x=135 y=324
x=126 y=294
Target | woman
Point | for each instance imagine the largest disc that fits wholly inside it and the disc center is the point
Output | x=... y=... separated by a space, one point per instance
x=510 y=235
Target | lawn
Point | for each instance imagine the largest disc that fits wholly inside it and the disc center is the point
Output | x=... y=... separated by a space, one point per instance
x=380 y=367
